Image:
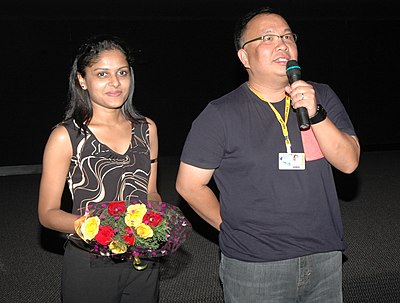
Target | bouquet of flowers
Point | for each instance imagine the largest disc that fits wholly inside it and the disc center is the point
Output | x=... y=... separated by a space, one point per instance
x=123 y=230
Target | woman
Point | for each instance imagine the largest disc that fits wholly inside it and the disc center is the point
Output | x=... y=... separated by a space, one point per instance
x=107 y=151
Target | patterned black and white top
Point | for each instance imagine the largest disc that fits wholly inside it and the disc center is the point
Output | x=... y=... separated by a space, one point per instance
x=99 y=174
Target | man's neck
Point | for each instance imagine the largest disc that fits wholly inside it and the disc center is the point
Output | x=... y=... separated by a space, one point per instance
x=268 y=92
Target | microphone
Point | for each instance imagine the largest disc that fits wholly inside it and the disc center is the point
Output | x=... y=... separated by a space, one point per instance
x=293 y=72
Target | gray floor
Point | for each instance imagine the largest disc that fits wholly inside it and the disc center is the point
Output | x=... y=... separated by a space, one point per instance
x=30 y=256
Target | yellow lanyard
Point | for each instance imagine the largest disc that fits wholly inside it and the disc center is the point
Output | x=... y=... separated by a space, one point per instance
x=282 y=122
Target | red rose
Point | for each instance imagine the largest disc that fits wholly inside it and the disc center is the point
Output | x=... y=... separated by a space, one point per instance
x=152 y=218
x=129 y=238
x=105 y=235
x=116 y=208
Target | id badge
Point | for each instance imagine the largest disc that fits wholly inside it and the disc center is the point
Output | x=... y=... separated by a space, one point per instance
x=292 y=161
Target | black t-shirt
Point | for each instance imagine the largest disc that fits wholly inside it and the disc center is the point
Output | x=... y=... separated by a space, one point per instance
x=268 y=214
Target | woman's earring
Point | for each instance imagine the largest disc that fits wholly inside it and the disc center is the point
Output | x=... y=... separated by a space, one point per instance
x=83 y=86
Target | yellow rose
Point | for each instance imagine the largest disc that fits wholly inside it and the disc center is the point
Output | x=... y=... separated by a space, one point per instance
x=134 y=214
x=90 y=228
x=144 y=231
x=117 y=247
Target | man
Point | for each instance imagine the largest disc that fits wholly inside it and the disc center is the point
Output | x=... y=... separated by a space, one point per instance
x=281 y=235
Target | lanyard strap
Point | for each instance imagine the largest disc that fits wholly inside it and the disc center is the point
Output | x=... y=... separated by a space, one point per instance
x=282 y=122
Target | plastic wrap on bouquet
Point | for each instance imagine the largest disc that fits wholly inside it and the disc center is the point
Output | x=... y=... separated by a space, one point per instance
x=124 y=230
x=178 y=227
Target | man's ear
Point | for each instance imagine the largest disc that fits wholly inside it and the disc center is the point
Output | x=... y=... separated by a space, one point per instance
x=243 y=57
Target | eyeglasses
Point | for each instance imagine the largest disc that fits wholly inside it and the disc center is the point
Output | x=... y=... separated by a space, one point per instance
x=273 y=38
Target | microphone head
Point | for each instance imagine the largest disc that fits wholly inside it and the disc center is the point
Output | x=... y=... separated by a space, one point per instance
x=293 y=71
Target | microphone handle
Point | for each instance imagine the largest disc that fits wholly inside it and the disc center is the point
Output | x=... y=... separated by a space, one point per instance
x=302 y=118
x=301 y=113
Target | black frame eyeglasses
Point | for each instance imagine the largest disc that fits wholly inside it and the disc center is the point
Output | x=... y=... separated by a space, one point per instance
x=273 y=38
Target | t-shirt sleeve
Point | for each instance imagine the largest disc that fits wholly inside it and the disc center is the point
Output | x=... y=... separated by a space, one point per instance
x=204 y=145
x=334 y=108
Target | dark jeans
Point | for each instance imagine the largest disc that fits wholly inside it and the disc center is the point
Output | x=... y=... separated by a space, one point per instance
x=316 y=278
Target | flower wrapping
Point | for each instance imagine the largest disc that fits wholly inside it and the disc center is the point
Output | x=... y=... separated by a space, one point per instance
x=124 y=230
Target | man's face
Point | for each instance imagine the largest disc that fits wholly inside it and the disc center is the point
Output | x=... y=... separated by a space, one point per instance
x=267 y=58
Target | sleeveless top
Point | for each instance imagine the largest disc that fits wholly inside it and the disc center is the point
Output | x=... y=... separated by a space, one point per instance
x=99 y=174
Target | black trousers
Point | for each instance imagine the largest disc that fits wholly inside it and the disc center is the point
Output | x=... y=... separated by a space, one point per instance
x=90 y=278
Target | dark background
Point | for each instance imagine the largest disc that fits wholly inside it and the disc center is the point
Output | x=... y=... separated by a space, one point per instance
x=185 y=58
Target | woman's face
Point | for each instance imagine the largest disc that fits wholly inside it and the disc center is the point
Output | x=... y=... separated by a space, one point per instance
x=108 y=80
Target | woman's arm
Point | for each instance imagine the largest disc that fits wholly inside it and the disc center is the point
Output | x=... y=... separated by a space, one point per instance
x=152 y=192
x=56 y=160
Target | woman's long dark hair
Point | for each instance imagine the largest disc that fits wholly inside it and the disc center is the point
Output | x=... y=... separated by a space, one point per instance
x=80 y=107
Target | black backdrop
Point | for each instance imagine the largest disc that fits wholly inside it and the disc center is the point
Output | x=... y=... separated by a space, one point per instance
x=185 y=57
